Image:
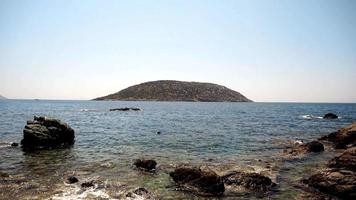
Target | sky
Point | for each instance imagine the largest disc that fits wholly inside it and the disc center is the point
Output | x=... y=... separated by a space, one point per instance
x=268 y=50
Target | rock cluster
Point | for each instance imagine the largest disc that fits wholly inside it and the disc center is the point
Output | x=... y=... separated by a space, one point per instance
x=339 y=178
x=44 y=132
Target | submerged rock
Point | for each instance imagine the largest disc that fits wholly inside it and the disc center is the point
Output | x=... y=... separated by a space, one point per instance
x=253 y=181
x=309 y=147
x=147 y=165
x=72 y=179
x=343 y=137
x=140 y=193
x=330 y=116
x=125 y=109
x=45 y=132
x=196 y=180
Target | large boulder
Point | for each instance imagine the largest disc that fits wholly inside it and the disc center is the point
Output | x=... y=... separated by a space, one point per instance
x=252 y=181
x=347 y=160
x=341 y=183
x=44 y=132
x=343 y=137
x=330 y=116
x=198 y=181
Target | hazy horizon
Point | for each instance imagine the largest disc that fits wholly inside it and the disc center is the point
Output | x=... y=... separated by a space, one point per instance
x=269 y=51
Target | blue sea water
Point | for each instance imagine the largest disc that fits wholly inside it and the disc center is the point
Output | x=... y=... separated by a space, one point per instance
x=195 y=133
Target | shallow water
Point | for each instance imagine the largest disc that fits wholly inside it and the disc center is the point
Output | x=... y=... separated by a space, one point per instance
x=221 y=136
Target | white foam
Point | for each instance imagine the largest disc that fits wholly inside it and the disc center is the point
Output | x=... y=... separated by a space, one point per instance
x=74 y=192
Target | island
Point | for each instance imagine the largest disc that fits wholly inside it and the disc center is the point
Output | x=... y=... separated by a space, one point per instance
x=170 y=90
x=2 y=97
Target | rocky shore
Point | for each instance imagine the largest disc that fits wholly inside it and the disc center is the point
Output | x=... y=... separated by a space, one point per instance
x=336 y=180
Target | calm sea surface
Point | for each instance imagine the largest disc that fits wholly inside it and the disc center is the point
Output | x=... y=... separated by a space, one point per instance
x=221 y=136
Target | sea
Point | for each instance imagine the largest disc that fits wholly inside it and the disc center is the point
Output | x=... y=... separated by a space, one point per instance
x=219 y=136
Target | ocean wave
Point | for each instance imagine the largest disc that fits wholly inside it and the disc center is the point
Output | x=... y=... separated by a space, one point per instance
x=311 y=117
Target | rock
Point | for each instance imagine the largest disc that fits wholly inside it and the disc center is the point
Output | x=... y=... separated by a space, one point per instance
x=125 y=109
x=341 y=183
x=14 y=144
x=45 y=132
x=343 y=137
x=253 y=181
x=196 y=180
x=330 y=116
x=140 y=193
x=347 y=160
x=87 y=184
x=147 y=165
x=3 y=175
x=72 y=179
x=313 y=146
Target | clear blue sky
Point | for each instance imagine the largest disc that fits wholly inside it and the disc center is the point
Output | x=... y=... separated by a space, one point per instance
x=268 y=50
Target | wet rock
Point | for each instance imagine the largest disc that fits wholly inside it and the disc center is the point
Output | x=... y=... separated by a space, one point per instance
x=140 y=193
x=72 y=179
x=125 y=109
x=341 y=183
x=45 y=132
x=330 y=116
x=347 y=160
x=87 y=184
x=313 y=146
x=253 y=181
x=196 y=180
x=14 y=144
x=147 y=165
x=343 y=137
x=3 y=175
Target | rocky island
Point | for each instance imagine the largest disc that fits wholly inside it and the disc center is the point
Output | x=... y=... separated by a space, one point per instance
x=167 y=90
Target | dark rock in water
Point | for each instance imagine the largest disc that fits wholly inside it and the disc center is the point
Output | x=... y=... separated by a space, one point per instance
x=330 y=116
x=313 y=146
x=125 y=109
x=343 y=137
x=148 y=165
x=87 y=184
x=158 y=132
x=14 y=144
x=72 y=179
x=341 y=183
x=45 y=132
x=140 y=193
x=347 y=160
x=196 y=180
x=253 y=181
